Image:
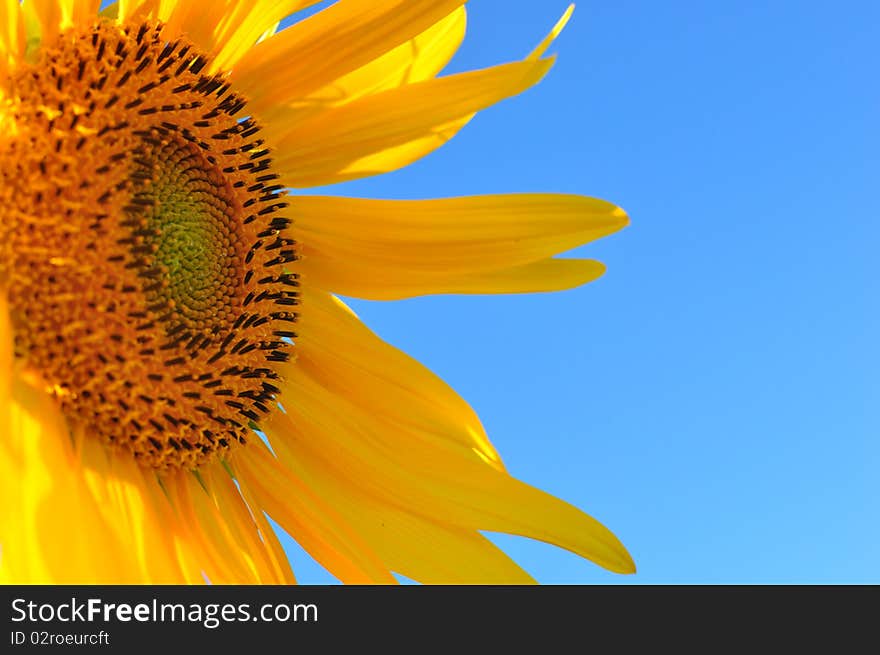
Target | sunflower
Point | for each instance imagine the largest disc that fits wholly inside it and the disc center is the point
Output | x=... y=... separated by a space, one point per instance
x=174 y=365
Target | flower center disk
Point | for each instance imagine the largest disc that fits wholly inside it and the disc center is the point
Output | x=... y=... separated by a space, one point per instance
x=152 y=281
x=185 y=218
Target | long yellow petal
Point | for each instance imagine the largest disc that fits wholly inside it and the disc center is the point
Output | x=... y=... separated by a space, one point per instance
x=243 y=25
x=136 y=516
x=44 y=15
x=538 y=52
x=386 y=249
x=69 y=517
x=240 y=25
x=538 y=277
x=353 y=362
x=12 y=33
x=421 y=549
x=110 y=11
x=250 y=528
x=6 y=348
x=73 y=511
x=328 y=148
x=132 y=10
x=382 y=132
x=204 y=534
x=401 y=466
x=78 y=13
x=189 y=553
x=420 y=58
x=55 y=16
x=321 y=49
x=187 y=19
x=43 y=502
x=269 y=486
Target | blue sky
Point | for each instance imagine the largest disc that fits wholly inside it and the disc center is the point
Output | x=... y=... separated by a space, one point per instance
x=710 y=398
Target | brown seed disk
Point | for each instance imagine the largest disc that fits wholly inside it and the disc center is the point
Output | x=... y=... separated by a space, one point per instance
x=151 y=276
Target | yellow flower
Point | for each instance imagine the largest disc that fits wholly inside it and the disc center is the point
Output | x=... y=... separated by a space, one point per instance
x=173 y=365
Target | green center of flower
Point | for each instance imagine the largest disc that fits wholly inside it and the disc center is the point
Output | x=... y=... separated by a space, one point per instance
x=185 y=220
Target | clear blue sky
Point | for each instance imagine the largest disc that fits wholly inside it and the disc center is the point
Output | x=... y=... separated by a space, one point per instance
x=713 y=398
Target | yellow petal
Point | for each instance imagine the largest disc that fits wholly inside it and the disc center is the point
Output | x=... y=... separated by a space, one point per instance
x=137 y=517
x=403 y=467
x=386 y=249
x=73 y=512
x=421 y=549
x=43 y=19
x=188 y=552
x=198 y=540
x=131 y=10
x=351 y=361
x=537 y=277
x=243 y=24
x=188 y=19
x=111 y=11
x=220 y=540
x=269 y=486
x=321 y=49
x=40 y=495
x=240 y=23
x=78 y=13
x=420 y=58
x=12 y=33
x=54 y=16
x=251 y=528
x=6 y=347
x=538 y=52
x=328 y=147
x=381 y=132
x=70 y=517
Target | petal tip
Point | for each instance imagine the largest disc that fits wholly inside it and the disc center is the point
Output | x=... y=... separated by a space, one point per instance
x=628 y=566
x=621 y=217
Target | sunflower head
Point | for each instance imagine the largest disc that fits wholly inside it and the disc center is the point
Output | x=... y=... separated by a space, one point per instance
x=154 y=285
x=175 y=367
